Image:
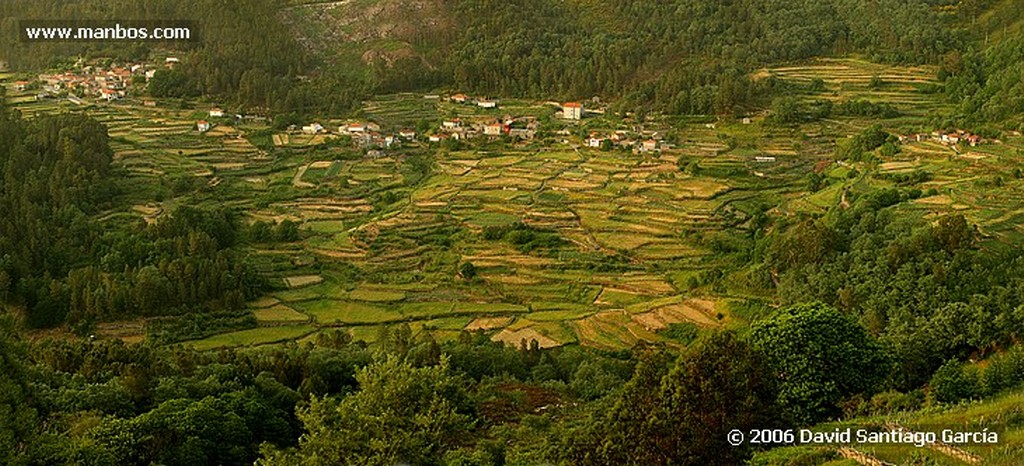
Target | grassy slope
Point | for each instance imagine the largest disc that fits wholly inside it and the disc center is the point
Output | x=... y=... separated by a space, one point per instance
x=1004 y=415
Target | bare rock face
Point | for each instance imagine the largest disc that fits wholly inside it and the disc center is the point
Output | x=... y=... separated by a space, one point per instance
x=378 y=32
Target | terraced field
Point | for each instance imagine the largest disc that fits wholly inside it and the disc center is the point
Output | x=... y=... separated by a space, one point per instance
x=382 y=242
x=958 y=175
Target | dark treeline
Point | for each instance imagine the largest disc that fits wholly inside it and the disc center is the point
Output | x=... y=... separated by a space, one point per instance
x=414 y=400
x=410 y=399
x=63 y=265
x=987 y=83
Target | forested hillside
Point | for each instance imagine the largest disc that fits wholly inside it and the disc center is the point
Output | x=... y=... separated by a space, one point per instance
x=65 y=266
x=679 y=57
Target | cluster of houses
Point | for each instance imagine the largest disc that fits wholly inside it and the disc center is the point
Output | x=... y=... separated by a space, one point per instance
x=516 y=128
x=203 y=125
x=640 y=142
x=948 y=139
x=107 y=84
x=481 y=102
x=366 y=135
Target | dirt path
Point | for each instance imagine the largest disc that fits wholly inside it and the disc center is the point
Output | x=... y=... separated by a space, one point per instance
x=861 y=457
x=297 y=179
x=945 y=449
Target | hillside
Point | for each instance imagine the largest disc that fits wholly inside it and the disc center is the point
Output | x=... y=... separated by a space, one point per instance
x=681 y=57
x=519 y=232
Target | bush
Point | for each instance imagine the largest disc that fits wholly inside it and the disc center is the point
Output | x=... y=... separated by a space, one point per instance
x=954 y=382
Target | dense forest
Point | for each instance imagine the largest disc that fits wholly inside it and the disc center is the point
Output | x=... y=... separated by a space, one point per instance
x=412 y=400
x=65 y=266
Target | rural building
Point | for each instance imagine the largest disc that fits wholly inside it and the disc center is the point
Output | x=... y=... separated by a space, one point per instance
x=746 y=120
x=572 y=111
x=521 y=133
x=451 y=125
x=203 y=126
x=460 y=98
x=169 y=62
x=20 y=85
x=313 y=128
x=353 y=128
x=109 y=95
x=764 y=159
x=438 y=137
x=649 y=145
x=494 y=129
x=149 y=103
x=407 y=134
x=487 y=104
x=216 y=112
x=595 y=140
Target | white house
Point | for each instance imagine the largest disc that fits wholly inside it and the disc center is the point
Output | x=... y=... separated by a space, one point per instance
x=109 y=95
x=595 y=141
x=572 y=111
x=494 y=129
x=203 y=126
x=353 y=128
x=216 y=112
x=764 y=159
x=649 y=145
x=487 y=104
x=407 y=134
x=313 y=128
x=451 y=124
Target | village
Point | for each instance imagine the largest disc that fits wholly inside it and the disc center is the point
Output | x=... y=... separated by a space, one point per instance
x=112 y=82
x=108 y=82
x=370 y=136
x=94 y=80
